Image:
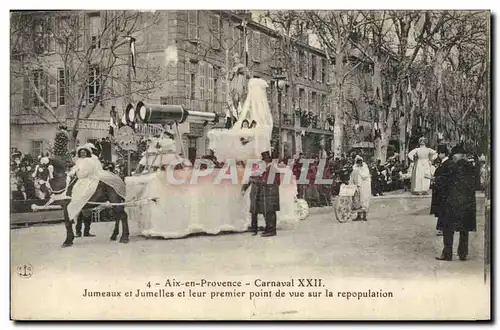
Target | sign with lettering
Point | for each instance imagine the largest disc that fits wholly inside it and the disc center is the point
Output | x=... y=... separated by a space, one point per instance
x=196 y=129
x=92 y=124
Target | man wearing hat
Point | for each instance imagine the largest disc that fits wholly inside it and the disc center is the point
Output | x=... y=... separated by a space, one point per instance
x=264 y=199
x=440 y=185
x=459 y=212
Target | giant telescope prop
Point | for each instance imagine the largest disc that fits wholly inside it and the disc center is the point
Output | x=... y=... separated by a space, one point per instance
x=158 y=114
x=163 y=114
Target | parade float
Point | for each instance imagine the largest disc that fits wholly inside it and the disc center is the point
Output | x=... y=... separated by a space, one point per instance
x=167 y=196
x=203 y=197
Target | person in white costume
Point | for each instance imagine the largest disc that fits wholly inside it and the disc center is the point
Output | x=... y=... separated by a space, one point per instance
x=88 y=169
x=167 y=152
x=361 y=178
x=422 y=170
x=161 y=152
x=149 y=156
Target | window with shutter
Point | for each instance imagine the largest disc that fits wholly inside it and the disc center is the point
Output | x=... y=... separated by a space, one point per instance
x=264 y=49
x=302 y=98
x=321 y=74
x=295 y=63
x=210 y=78
x=235 y=41
x=215 y=32
x=256 y=46
x=63 y=33
x=78 y=23
x=52 y=90
x=40 y=82
x=94 y=84
x=309 y=66
x=26 y=92
x=313 y=99
x=50 y=33
x=309 y=101
x=285 y=98
x=188 y=84
x=193 y=25
x=313 y=67
x=202 y=76
x=36 y=148
x=303 y=63
x=95 y=32
x=39 y=45
x=223 y=88
x=61 y=86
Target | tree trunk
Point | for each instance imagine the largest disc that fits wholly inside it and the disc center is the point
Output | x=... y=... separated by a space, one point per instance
x=338 y=103
x=382 y=142
x=338 y=130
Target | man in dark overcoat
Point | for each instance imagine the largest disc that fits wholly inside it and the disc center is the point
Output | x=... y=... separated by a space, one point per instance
x=459 y=212
x=440 y=185
x=264 y=198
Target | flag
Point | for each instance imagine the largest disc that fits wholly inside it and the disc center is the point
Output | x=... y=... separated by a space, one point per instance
x=132 y=53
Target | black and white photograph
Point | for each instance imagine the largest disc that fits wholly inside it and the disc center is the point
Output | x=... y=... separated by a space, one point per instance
x=250 y=165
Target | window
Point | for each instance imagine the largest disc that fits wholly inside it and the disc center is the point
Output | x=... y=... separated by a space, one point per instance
x=285 y=97
x=314 y=67
x=202 y=81
x=223 y=88
x=192 y=95
x=210 y=80
x=301 y=63
x=302 y=98
x=40 y=82
x=309 y=65
x=215 y=32
x=264 y=47
x=310 y=101
x=95 y=31
x=94 y=84
x=323 y=102
x=323 y=70
x=78 y=25
x=193 y=25
x=216 y=90
x=36 y=148
x=314 y=98
x=237 y=42
x=61 y=86
x=43 y=37
x=256 y=47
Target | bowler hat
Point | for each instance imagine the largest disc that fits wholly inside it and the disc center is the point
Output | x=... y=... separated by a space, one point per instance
x=458 y=149
x=442 y=149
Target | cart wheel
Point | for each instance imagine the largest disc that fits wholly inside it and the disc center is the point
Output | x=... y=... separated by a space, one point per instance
x=343 y=209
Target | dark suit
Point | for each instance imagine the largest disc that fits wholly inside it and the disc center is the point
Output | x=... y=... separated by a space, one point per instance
x=440 y=188
x=459 y=212
x=264 y=199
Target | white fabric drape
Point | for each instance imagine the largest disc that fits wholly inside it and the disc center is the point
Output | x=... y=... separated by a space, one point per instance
x=227 y=144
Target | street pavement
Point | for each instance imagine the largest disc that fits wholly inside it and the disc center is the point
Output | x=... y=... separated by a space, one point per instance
x=398 y=243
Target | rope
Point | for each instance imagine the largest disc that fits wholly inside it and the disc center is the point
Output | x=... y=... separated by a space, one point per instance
x=153 y=199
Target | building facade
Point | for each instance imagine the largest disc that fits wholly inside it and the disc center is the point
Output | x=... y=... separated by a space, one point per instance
x=193 y=52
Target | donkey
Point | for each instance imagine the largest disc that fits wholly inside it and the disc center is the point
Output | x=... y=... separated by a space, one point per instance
x=60 y=184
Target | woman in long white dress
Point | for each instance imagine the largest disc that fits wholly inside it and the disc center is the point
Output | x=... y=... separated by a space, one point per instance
x=422 y=158
x=361 y=178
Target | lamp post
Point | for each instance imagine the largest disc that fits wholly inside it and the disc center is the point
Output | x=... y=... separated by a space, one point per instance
x=279 y=79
